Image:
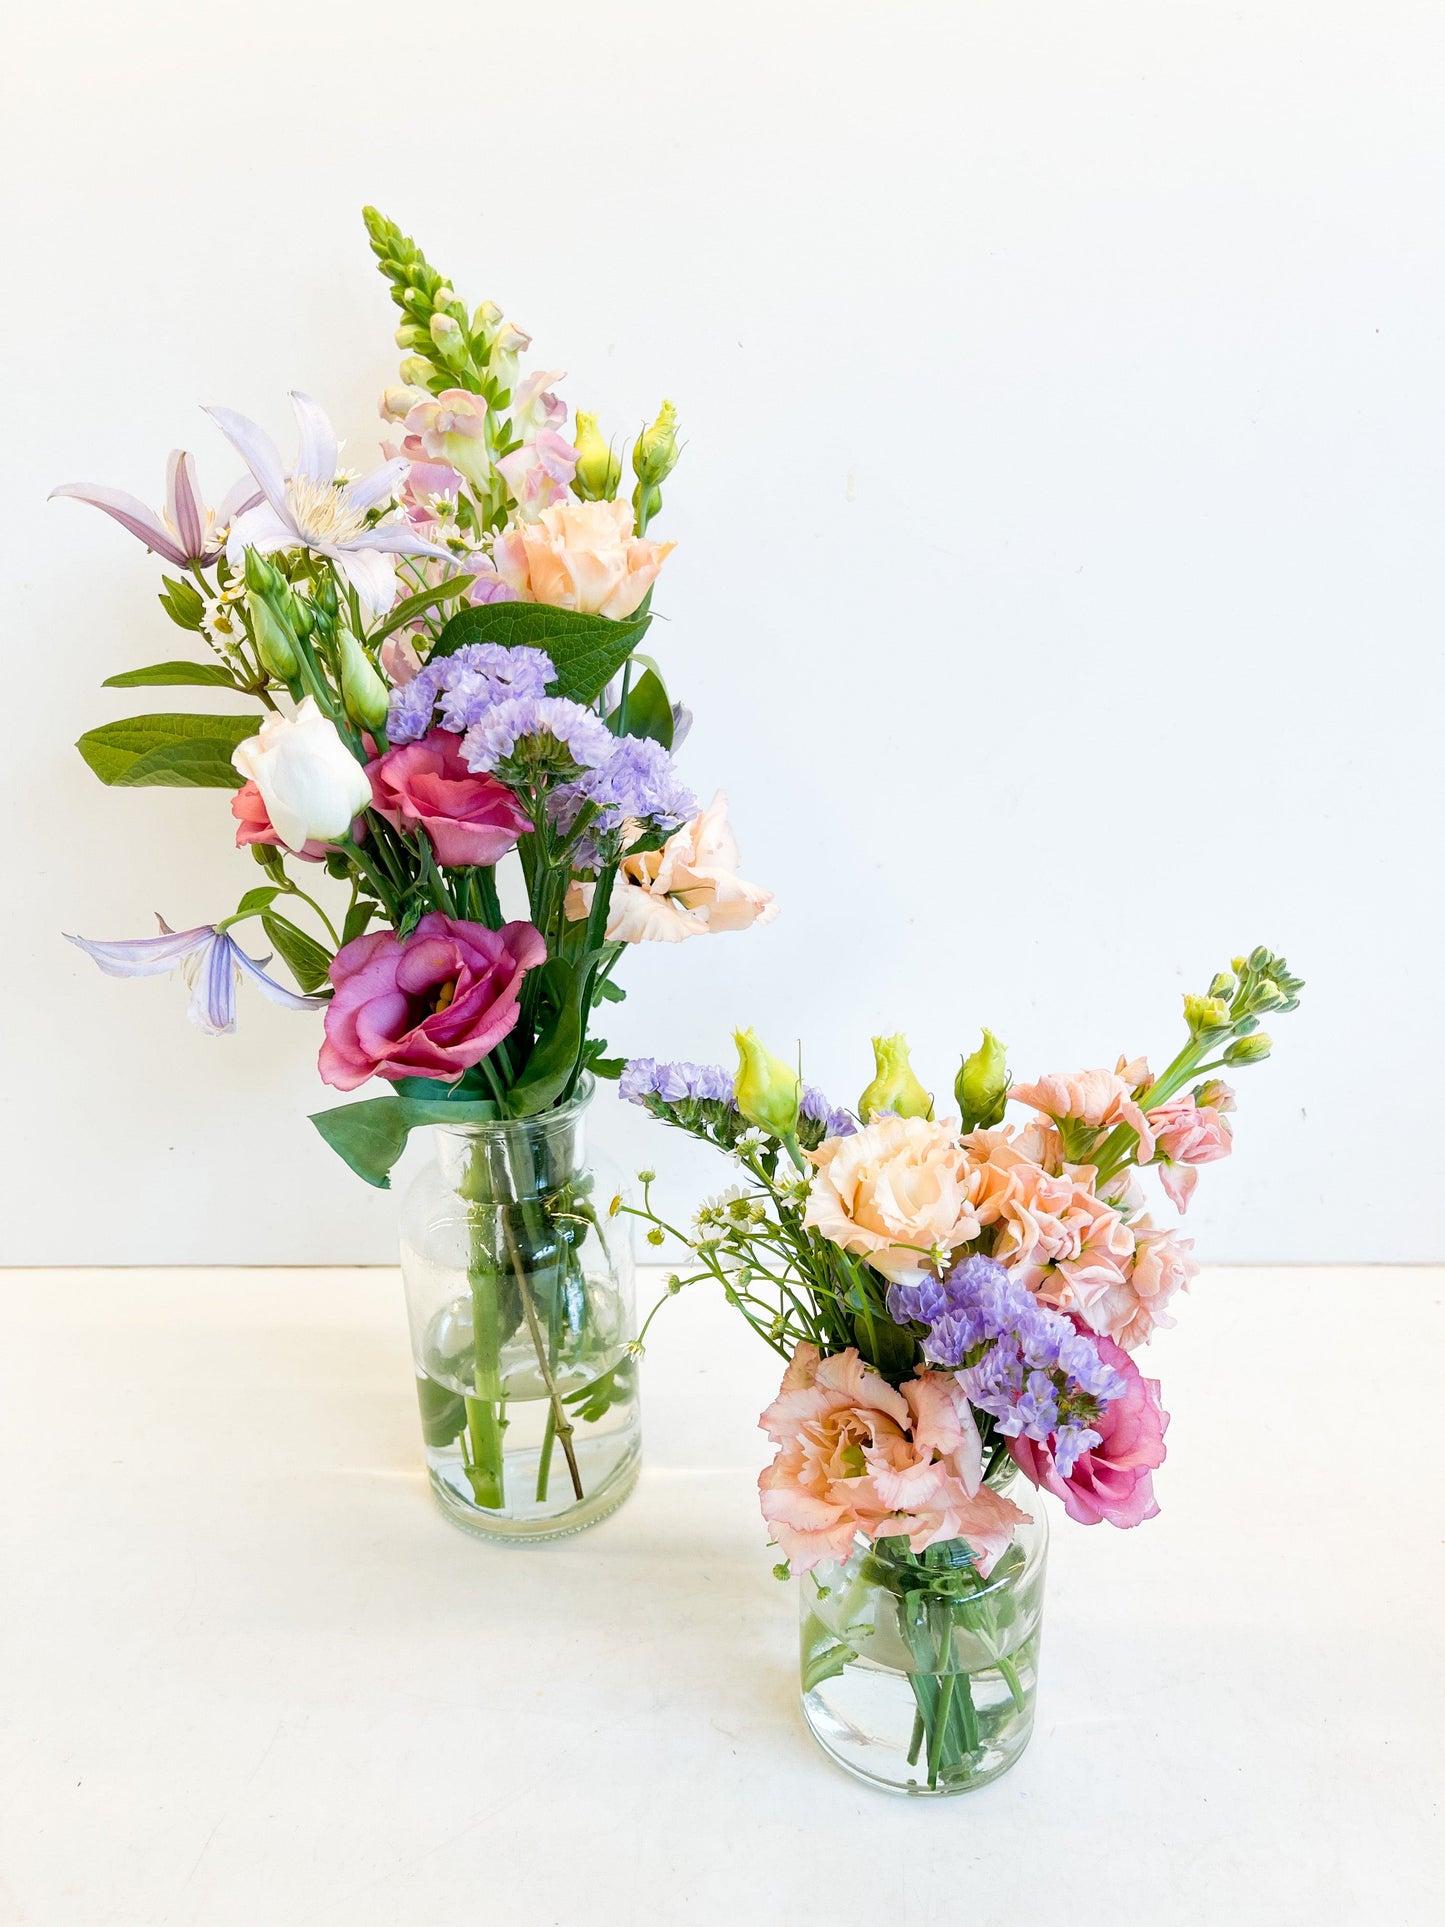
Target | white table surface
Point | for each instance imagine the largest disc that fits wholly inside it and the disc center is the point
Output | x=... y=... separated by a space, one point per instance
x=249 y=1676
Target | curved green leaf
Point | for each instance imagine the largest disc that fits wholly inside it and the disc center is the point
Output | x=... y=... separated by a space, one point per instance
x=174 y=752
x=305 y=958
x=372 y=1135
x=211 y=675
x=587 y=651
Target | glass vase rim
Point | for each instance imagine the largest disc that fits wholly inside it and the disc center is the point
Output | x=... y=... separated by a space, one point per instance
x=565 y=1113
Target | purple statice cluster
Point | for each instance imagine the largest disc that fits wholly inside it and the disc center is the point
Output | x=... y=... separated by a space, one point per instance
x=700 y=1098
x=467 y=684
x=1031 y=1369
x=526 y=737
x=636 y=786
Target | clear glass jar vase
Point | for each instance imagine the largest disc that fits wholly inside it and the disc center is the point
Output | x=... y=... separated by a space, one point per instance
x=519 y=1288
x=919 y=1675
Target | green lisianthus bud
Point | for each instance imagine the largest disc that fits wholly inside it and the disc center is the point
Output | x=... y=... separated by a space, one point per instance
x=261 y=574
x=274 y=647
x=894 y=1087
x=1205 y=1013
x=768 y=1091
x=981 y=1086
x=1249 y=1050
x=655 y=452
x=599 y=470
x=362 y=689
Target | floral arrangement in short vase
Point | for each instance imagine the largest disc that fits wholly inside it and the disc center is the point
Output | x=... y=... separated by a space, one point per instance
x=444 y=702
x=959 y=1302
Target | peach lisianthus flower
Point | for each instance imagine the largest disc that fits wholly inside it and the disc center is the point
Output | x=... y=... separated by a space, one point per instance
x=855 y=1455
x=580 y=555
x=894 y=1192
x=1187 y=1134
x=688 y=888
x=1100 y=1099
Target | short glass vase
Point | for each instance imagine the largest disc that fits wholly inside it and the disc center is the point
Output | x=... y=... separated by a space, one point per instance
x=519 y=1287
x=919 y=1675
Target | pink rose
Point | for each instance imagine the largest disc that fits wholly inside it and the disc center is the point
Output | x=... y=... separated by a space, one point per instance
x=1112 y=1482
x=857 y=1456
x=426 y=785
x=430 y=1006
x=248 y=806
x=1188 y=1133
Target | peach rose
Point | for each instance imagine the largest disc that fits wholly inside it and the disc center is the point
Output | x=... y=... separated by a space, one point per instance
x=1100 y=1099
x=688 y=888
x=854 y=1455
x=894 y=1192
x=580 y=555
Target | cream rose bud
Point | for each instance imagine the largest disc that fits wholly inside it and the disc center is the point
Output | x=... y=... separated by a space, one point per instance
x=309 y=780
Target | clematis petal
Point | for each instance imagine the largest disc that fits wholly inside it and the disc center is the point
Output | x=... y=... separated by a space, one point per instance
x=251 y=967
x=372 y=574
x=262 y=529
x=316 y=455
x=131 y=514
x=212 y=977
x=144 y=956
x=183 y=503
x=378 y=484
x=240 y=497
x=400 y=538
x=258 y=452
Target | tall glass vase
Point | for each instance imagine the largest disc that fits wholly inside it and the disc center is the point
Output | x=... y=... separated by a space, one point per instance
x=520 y=1295
x=918 y=1674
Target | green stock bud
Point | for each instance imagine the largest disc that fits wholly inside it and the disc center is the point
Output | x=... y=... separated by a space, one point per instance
x=1260 y=959
x=599 y=470
x=1249 y=1050
x=981 y=1086
x=274 y=647
x=451 y=343
x=655 y=452
x=1239 y=965
x=894 y=1087
x=1205 y=1013
x=768 y=1091
x=362 y=689
x=1222 y=986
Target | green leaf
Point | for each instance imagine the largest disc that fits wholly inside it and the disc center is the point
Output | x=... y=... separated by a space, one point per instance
x=174 y=752
x=372 y=1135
x=608 y=992
x=608 y=1068
x=357 y=918
x=253 y=903
x=305 y=958
x=181 y=603
x=591 y=1402
x=212 y=675
x=443 y=1412
x=587 y=651
x=560 y=1036
x=649 y=713
x=415 y=605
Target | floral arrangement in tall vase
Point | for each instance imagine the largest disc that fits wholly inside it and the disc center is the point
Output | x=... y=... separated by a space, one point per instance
x=441 y=681
x=959 y=1302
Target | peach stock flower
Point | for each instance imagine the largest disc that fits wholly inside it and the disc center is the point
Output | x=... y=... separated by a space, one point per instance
x=1100 y=1099
x=580 y=555
x=688 y=888
x=1130 y=1311
x=855 y=1455
x=1187 y=1134
x=894 y=1192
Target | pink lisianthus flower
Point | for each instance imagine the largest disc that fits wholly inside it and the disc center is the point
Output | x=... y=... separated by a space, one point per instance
x=427 y=786
x=431 y=1005
x=855 y=1455
x=1097 y=1099
x=253 y=821
x=1113 y=1481
x=1187 y=1134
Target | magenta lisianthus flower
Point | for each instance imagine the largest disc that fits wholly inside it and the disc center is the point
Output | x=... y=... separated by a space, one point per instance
x=430 y=1005
x=426 y=785
x=1113 y=1481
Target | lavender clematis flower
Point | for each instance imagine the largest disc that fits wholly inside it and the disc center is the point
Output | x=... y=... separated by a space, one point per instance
x=186 y=531
x=309 y=508
x=210 y=960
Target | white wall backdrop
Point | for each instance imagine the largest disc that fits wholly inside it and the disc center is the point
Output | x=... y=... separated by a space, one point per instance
x=1058 y=589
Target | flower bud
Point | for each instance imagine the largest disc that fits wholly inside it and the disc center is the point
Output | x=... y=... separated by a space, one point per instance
x=894 y=1087
x=451 y=343
x=274 y=647
x=418 y=373
x=655 y=452
x=410 y=338
x=397 y=403
x=1222 y=985
x=362 y=689
x=981 y=1086
x=1249 y=1050
x=767 y=1091
x=310 y=782
x=1215 y=1093
x=598 y=469
x=261 y=574
x=1259 y=958
x=486 y=321
x=1205 y=1013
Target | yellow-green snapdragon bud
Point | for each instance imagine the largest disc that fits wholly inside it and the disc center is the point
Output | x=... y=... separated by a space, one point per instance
x=362 y=689
x=768 y=1091
x=981 y=1086
x=894 y=1087
x=599 y=470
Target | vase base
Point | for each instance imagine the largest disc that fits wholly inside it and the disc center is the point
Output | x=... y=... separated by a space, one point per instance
x=500 y=1530
x=885 y=1766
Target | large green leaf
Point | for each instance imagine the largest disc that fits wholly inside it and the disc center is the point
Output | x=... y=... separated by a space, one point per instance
x=372 y=1135
x=305 y=958
x=176 y=752
x=212 y=675
x=649 y=713
x=561 y=1031
x=587 y=651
